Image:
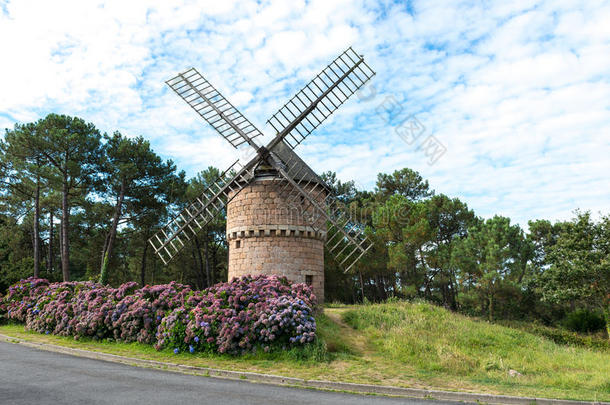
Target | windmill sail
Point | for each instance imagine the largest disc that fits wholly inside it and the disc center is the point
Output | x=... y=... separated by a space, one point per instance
x=320 y=97
x=193 y=88
x=314 y=103
x=170 y=240
x=345 y=250
x=346 y=239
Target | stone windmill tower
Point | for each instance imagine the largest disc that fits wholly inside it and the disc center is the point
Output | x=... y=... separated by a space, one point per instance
x=280 y=214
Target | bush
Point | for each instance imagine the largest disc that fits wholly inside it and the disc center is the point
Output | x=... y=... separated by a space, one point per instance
x=52 y=310
x=234 y=317
x=19 y=297
x=564 y=337
x=585 y=321
x=2 y=310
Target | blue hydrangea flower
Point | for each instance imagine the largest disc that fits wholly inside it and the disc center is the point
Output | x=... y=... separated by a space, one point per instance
x=176 y=350
x=196 y=339
x=191 y=349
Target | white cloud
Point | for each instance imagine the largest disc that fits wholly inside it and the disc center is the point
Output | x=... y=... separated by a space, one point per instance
x=518 y=92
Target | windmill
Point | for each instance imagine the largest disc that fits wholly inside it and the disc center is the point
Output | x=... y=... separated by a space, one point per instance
x=280 y=214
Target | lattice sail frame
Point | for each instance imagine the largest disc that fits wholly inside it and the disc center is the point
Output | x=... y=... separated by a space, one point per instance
x=170 y=240
x=213 y=107
x=315 y=102
x=346 y=239
x=293 y=123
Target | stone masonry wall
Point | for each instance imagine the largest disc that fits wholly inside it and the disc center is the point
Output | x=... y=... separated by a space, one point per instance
x=267 y=234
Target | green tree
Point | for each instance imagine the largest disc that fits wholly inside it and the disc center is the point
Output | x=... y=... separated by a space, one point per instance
x=392 y=265
x=72 y=148
x=24 y=166
x=447 y=222
x=134 y=176
x=344 y=191
x=578 y=273
x=419 y=237
x=389 y=220
x=16 y=261
x=208 y=246
x=492 y=256
x=369 y=276
x=543 y=236
x=405 y=182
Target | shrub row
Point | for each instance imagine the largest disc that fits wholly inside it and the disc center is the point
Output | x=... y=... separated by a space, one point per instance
x=234 y=317
x=585 y=321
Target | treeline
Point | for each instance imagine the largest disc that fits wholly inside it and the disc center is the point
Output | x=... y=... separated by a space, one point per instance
x=431 y=246
x=77 y=204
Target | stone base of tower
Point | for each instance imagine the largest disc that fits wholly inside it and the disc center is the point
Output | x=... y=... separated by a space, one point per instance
x=265 y=236
x=281 y=252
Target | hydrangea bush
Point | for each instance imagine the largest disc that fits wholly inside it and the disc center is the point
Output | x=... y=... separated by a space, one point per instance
x=238 y=316
x=234 y=317
x=2 y=309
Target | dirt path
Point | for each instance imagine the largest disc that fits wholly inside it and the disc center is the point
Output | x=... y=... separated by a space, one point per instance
x=357 y=340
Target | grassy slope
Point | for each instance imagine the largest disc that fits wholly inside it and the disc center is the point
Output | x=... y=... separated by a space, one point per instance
x=430 y=343
x=410 y=345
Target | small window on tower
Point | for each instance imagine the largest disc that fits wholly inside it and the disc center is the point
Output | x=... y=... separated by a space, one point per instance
x=308 y=279
x=237 y=243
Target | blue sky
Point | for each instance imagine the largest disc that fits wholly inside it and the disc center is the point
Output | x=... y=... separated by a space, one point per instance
x=517 y=94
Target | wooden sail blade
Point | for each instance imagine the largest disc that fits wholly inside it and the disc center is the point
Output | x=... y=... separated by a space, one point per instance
x=320 y=98
x=213 y=107
x=346 y=239
x=170 y=239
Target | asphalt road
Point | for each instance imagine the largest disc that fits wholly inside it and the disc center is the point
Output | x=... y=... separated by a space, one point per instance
x=31 y=376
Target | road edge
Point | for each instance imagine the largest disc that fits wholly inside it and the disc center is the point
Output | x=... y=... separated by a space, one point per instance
x=299 y=382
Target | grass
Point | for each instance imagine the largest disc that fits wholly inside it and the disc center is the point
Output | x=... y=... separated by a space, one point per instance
x=410 y=345
x=434 y=344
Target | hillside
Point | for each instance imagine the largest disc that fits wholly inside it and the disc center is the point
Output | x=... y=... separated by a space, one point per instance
x=411 y=345
x=428 y=344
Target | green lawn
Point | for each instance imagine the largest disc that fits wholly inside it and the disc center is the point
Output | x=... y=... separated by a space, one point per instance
x=410 y=345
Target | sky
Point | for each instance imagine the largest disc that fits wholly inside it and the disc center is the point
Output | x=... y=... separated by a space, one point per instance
x=503 y=104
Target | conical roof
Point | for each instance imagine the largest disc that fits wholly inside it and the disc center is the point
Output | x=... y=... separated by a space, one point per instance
x=295 y=164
